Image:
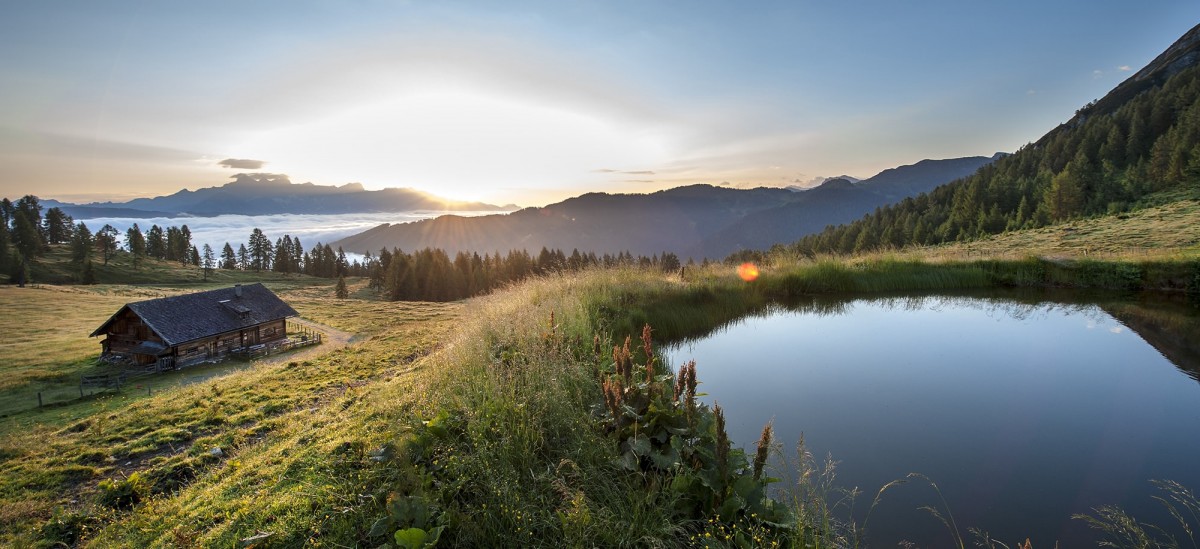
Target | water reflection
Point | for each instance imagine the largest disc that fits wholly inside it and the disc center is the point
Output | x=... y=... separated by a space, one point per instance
x=1024 y=408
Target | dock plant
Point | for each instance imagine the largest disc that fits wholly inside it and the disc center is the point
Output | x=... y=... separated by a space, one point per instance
x=663 y=434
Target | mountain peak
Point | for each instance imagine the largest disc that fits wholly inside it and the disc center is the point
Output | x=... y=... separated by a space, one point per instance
x=835 y=183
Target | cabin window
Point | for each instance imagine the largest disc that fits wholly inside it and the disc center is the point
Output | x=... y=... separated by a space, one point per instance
x=269 y=331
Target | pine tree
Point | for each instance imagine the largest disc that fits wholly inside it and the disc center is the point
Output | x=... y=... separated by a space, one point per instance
x=260 y=250
x=208 y=260
x=156 y=243
x=173 y=250
x=341 y=266
x=283 y=256
x=106 y=242
x=243 y=256
x=6 y=212
x=25 y=236
x=135 y=242
x=228 y=259
x=342 y=292
x=81 y=244
x=4 y=247
x=297 y=253
x=58 y=226
x=32 y=209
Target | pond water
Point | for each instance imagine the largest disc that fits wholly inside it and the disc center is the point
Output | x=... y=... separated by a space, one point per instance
x=1024 y=412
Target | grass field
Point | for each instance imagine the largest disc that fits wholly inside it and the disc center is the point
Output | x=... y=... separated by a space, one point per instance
x=58 y=463
x=47 y=348
x=480 y=412
x=482 y=420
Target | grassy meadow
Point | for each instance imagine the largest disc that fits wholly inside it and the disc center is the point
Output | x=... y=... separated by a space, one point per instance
x=71 y=469
x=1165 y=224
x=505 y=420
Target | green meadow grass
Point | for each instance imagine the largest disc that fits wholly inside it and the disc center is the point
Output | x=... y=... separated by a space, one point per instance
x=71 y=473
x=484 y=415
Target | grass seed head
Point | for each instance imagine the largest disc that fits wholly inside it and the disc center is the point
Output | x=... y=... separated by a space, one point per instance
x=763 y=448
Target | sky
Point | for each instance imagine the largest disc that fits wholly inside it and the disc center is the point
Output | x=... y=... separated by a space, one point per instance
x=533 y=102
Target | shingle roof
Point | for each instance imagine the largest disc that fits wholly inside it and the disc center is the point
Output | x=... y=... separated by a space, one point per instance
x=189 y=317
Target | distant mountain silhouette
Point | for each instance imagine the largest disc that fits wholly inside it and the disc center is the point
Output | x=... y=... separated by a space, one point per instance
x=834 y=202
x=671 y=220
x=817 y=181
x=694 y=221
x=267 y=194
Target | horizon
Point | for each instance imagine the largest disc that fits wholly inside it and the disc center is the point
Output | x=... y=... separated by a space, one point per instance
x=539 y=102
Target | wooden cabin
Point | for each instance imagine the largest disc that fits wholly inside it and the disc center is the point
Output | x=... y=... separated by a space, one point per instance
x=180 y=330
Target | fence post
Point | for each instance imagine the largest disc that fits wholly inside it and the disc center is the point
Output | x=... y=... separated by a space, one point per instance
x=39 y=399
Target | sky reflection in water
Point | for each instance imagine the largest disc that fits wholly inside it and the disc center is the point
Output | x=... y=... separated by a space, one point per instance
x=1022 y=414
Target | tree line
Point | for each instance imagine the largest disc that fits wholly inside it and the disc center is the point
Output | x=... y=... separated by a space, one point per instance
x=431 y=275
x=423 y=275
x=1098 y=163
x=26 y=234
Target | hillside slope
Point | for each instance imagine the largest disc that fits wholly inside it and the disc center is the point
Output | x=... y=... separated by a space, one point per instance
x=1167 y=223
x=1142 y=137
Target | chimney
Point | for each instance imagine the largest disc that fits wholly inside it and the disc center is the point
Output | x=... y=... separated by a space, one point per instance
x=237 y=290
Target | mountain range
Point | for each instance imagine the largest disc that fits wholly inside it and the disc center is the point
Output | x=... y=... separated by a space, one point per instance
x=269 y=194
x=696 y=221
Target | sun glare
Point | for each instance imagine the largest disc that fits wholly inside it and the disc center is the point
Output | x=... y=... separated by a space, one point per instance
x=748 y=272
x=457 y=144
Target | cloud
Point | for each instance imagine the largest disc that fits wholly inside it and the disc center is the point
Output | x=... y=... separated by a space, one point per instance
x=235 y=229
x=1124 y=68
x=639 y=181
x=260 y=178
x=740 y=184
x=1031 y=92
x=1097 y=73
x=241 y=164
x=624 y=172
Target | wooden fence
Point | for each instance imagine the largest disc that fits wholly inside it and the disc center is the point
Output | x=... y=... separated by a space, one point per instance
x=268 y=349
x=120 y=379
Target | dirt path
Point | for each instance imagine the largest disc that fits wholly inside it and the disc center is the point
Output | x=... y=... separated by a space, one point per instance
x=331 y=339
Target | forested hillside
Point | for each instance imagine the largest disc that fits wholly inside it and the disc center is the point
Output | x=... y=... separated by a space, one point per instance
x=1141 y=138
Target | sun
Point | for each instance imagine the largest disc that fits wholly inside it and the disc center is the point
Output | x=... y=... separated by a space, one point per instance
x=457 y=144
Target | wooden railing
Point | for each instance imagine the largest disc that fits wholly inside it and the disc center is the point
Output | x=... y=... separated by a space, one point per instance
x=107 y=381
x=268 y=349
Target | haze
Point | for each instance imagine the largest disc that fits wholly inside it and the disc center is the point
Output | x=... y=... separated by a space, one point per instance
x=532 y=102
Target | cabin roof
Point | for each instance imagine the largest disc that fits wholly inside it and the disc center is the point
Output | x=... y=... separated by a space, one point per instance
x=183 y=318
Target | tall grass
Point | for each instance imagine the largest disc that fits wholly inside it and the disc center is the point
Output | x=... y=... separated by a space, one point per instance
x=1119 y=529
x=526 y=464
